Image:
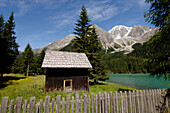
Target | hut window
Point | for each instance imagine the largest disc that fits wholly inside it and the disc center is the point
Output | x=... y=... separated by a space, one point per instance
x=68 y=85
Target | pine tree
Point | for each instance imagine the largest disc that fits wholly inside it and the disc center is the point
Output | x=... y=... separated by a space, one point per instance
x=9 y=47
x=159 y=44
x=158 y=14
x=87 y=42
x=28 y=57
x=82 y=30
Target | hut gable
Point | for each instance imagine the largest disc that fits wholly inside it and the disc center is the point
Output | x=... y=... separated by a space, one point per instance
x=59 y=59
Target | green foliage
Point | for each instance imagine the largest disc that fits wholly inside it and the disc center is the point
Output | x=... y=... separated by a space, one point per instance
x=82 y=30
x=120 y=63
x=28 y=59
x=136 y=45
x=158 y=14
x=8 y=45
x=110 y=49
x=87 y=42
x=160 y=48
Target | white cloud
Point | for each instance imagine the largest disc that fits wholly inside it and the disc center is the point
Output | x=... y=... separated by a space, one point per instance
x=101 y=13
x=22 y=6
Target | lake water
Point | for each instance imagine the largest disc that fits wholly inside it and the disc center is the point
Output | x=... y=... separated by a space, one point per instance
x=139 y=81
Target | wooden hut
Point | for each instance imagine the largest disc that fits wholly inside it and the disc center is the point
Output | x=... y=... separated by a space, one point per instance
x=66 y=71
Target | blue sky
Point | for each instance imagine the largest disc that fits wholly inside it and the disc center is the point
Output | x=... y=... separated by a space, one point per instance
x=40 y=22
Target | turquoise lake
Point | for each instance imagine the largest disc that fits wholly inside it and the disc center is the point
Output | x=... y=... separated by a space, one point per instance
x=139 y=81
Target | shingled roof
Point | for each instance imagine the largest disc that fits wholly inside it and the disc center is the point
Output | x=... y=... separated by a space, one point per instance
x=59 y=59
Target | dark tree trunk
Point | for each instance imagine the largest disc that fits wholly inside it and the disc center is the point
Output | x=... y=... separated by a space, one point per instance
x=27 y=69
x=1 y=75
x=95 y=81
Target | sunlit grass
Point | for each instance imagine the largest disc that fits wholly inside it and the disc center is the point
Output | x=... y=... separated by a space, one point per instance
x=33 y=86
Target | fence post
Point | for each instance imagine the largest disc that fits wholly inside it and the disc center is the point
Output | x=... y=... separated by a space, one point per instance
x=58 y=99
x=96 y=104
x=117 y=102
x=114 y=97
x=89 y=103
x=63 y=104
x=18 y=105
x=111 y=102
x=11 y=107
x=77 y=103
x=105 y=102
x=126 y=102
x=99 y=100
x=81 y=103
x=4 y=105
x=68 y=104
x=41 y=106
x=92 y=102
x=130 y=101
x=46 y=106
x=85 y=103
x=52 y=105
x=72 y=106
x=121 y=101
x=108 y=100
x=32 y=105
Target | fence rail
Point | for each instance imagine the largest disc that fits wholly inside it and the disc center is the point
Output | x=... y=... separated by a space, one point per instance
x=146 y=101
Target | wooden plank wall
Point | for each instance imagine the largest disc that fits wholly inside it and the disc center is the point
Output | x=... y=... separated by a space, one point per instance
x=146 y=101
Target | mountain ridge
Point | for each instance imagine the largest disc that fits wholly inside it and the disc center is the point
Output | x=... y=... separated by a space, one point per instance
x=120 y=38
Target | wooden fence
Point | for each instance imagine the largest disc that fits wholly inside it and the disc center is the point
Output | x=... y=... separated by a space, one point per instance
x=146 y=101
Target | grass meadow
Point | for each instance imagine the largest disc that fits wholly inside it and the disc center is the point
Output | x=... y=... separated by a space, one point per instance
x=17 y=85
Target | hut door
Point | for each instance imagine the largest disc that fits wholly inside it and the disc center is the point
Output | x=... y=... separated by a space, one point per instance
x=68 y=85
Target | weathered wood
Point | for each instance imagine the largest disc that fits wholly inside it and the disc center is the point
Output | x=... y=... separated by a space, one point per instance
x=32 y=105
x=77 y=103
x=37 y=107
x=114 y=102
x=126 y=102
x=85 y=103
x=92 y=102
x=52 y=105
x=105 y=102
x=108 y=100
x=145 y=101
x=153 y=99
x=11 y=107
x=18 y=105
x=121 y=101
x=141 y=101
x=117 y=102
x=130 y=102
x=89 y=103
x=81 y=104
x=99 y=101
x=47 y=104
x=41 y=106
x=63 y=104
x=4 y=104
x=134 y=102
x=111 y=102
x=138 y=102
x=58 y=99
x=25 y=106
x=72 y=105
x=68 y=104
x=96 y=104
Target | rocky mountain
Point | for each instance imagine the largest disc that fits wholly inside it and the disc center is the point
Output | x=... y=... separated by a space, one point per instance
x=120 y=38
